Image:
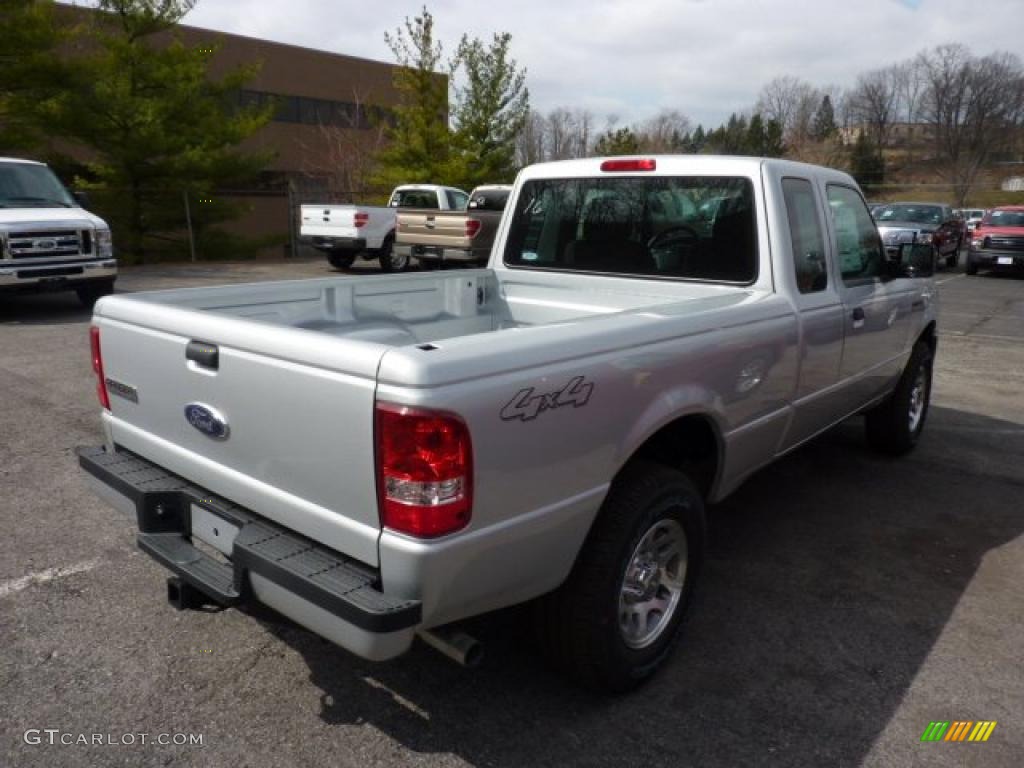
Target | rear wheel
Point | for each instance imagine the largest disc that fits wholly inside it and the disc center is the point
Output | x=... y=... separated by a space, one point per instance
x=895 y=425
x=90 y=293
x=389 y=260
x=341 y=260
x=617 y=617
x=953 y=258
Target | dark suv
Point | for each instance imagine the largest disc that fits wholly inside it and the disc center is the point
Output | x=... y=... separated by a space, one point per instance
x=932 y=223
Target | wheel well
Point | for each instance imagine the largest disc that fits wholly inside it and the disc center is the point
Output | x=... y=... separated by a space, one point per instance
x=690 y=443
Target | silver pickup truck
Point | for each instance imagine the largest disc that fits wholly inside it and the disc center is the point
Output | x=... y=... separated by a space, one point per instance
x=380 y=457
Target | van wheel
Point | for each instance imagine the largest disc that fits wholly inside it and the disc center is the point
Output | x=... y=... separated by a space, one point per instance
x=895 y=425
x=90 y=293
x=389 y=260
x=341 y=260
x=617 y=617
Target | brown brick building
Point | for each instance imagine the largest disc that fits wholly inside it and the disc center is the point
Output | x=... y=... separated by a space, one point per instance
x=330 y=115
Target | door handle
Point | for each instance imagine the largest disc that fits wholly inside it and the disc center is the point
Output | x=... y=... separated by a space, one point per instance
x=858 y=317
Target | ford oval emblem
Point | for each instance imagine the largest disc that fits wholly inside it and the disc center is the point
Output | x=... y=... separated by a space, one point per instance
x=207 y=420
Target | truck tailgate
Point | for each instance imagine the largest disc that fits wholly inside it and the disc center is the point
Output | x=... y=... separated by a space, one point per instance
x=329 y=221
x=433 y=228
x=299 y=443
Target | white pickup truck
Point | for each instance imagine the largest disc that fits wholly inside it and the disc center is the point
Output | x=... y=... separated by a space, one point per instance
x=379 y=458
x=48 y=242
x=345 y=232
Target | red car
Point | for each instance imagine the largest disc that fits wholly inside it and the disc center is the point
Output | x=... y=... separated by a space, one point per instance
x=998 y=242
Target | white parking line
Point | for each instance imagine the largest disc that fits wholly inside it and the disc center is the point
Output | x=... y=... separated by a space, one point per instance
x=11 y=586
x=954 y=277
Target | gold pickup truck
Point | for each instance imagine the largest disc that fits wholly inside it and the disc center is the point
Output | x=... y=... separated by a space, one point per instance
x=463 y=238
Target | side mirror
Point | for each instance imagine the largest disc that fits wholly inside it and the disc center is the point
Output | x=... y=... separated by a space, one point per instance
x=915 y=260
x=80 y=197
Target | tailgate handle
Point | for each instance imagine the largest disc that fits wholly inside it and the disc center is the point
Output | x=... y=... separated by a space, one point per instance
x=201 y=353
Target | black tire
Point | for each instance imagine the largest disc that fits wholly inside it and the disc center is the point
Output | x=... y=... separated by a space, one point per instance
x=890 y=427
x=90 y=293
x=972 y=267
x=389 y=261
x=579 y=624
x=430 y=265
x=953 y=258
x=341 y=260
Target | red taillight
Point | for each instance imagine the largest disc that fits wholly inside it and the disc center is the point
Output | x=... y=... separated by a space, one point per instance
x=472 y=227
x=361 y=219
x=630 y=164
x=424 y=471
x=97 y=367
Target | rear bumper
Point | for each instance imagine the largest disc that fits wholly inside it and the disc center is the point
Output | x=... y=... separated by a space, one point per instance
x=64 y=275
x=322 y=590
x=339 y=243
x=444 y=255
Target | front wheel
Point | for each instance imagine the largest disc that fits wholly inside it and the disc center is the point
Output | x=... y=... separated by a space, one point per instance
x=954 y=258
x=895 y=425
x=972 y=267
x=389 y=260
x=617 y=617
x=90 y=293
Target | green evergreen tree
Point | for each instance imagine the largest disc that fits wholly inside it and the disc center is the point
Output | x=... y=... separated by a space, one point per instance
x=420 y=145
x=618 y=142
x=490 y=111
x=30 y=73
x=158 y=125
x=823 y=125
x=867 y=165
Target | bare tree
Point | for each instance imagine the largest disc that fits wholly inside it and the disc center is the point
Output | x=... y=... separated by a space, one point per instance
x=664 y=132
x=584 y=120
x=873 y=103
x=791 y=102
x=530 y=144
x=560 y=134
x=974 y=105
x=341 y=162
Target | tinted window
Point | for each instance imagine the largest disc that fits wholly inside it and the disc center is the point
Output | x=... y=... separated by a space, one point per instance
x=805 y=235
x=414 y=198
x=488 y=199
x=911 y=213
x=24 y=185
x=1006 y=219
x=857 y=242
x=457 y=200
x=690 y=227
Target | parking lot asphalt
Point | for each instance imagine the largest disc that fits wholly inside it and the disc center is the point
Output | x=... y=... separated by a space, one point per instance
x=847 y=601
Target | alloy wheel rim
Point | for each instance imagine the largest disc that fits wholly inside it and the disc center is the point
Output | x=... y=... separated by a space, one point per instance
x=918 y=394
x=652 y=585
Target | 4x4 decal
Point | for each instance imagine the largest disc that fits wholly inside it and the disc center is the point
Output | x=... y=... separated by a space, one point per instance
x=527 y=406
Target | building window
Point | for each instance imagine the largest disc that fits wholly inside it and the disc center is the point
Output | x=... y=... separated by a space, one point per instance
x=306 y=110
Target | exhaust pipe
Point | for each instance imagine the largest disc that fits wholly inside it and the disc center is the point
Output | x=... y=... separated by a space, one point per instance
x=455 y=644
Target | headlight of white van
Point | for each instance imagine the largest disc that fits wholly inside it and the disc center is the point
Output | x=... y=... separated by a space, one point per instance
x=104 y=244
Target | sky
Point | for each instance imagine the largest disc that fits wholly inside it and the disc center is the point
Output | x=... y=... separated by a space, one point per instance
x=633 y=58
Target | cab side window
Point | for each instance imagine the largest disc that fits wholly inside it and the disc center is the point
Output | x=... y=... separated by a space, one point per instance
x=806 y=236
x=857 y=242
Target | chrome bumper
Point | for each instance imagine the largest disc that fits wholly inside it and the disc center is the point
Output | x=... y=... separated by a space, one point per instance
x=55 y=274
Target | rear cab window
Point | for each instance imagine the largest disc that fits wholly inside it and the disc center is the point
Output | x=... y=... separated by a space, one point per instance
x=681 y=227
x=806 y=235
x=414 y=198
